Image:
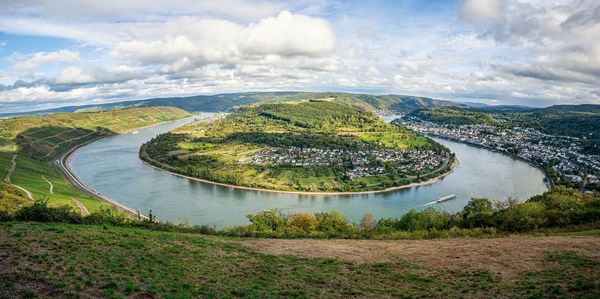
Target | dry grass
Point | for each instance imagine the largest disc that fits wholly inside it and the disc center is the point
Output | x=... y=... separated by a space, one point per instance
x=507 y=256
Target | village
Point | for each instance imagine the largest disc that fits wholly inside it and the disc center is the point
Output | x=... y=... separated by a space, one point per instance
x=563 y=154
x=362 y=163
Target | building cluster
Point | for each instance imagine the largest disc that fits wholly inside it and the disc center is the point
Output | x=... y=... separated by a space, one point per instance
x=561 y=153
x=362 y=163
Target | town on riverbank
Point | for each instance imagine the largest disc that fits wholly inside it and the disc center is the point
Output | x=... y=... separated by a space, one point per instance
x=561 y=157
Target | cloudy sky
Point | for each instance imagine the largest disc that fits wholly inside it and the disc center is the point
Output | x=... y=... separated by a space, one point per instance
x=72 y=52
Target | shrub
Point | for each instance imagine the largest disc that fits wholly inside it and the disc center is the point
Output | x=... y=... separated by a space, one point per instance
x=477 y=213
x=521 y=217
x=332 y=222
x=301 y=222
x=106 y=216
x=387 y=225
x=40 y=211
x=427 y=219
x=269 y=220
x=368 y=222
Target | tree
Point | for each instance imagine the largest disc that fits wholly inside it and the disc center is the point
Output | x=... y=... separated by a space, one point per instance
x=368 y=222
x=478 y=213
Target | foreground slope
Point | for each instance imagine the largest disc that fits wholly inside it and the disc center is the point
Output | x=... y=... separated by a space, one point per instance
x=312 y=146
x=59 y=260
x=29 y=146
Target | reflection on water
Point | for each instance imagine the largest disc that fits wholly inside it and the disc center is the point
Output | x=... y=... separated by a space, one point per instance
x=111 y=166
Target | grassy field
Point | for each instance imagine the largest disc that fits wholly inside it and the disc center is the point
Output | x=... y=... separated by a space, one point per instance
x=60 y=260
x=216 y=151
x=39 y=140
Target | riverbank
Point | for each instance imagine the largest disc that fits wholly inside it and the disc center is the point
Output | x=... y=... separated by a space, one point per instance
x=69 y=175
x=149 y=162
x=75 y=181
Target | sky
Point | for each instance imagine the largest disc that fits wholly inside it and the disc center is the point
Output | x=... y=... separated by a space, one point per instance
x=515 y=52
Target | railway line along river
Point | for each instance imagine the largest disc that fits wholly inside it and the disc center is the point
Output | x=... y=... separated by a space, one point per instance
x=111 y=167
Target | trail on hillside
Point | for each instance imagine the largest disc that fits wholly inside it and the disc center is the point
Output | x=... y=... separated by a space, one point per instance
x=49 y=183
x=506 y=256
x=9 y=173
x=29 y=194
x=13 y=165
x=82 y=208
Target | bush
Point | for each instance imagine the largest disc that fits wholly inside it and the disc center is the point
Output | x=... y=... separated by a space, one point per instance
x=368 y=222
x=427 y=219
x=268 y=221
x=40 y=211
x=521 y=217
x=332 y=222
x=303 y=222
x=477 y=213
x=106 y=216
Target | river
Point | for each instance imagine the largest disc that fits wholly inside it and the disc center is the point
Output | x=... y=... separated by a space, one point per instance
x=111 y=166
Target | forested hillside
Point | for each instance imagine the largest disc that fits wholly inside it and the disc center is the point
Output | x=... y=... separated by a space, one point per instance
x=229 y=102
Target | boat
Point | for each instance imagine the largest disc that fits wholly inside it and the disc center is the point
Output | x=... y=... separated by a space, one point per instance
x=134 y=132
x=446 y=198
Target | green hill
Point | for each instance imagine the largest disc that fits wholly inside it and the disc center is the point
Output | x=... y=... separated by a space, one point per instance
x=30 y=144
x=230 y=101
x=300 y=146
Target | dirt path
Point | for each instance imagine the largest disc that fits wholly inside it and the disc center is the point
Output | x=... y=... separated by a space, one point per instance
x=82 y=208
x=29 y=194
x=49 y=183
x=505 y=256
x=10 y=171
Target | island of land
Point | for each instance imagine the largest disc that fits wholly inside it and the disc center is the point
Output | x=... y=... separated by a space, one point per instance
x=304 y=146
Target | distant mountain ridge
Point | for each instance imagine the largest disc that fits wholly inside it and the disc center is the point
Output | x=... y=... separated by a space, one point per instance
x=230 y=101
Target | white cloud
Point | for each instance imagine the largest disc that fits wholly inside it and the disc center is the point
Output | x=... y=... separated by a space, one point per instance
x=77 y=75
x=482 y=11
x=511 y=51
x=138 y=10
x=287 y=35
x=408 y=66
x=40 y=58
x=188 y=42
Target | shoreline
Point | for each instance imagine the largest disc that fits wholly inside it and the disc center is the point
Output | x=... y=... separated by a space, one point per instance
x=386 y=190
x=75 y=181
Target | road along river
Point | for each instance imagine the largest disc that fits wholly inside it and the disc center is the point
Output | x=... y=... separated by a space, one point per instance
x=112 y=168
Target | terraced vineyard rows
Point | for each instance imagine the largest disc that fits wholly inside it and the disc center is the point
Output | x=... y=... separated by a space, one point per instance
x=36 y=142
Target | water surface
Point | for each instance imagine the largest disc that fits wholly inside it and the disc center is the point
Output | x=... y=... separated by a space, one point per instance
x=111 y=166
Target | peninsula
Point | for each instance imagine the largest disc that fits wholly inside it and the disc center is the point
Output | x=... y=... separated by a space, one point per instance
x=308 y=146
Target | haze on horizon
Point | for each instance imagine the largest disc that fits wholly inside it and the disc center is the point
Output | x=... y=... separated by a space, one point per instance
x=68 y=52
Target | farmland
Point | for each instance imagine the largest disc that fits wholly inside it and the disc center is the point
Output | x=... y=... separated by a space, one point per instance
x=310 y=146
